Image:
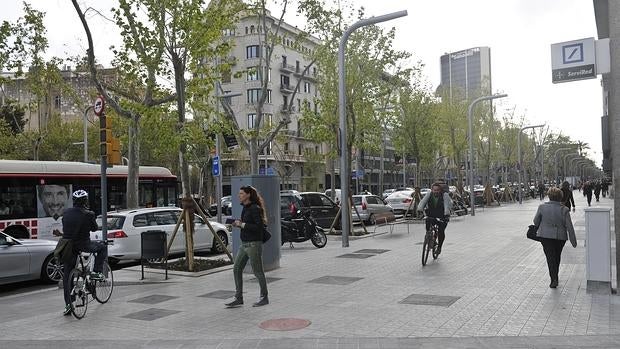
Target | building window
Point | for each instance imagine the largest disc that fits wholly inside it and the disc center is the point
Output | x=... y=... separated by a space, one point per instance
x=297 y=66
x=254 y=94
x=228 y=32
x=286 y=148
x=246 y=30
x=251 y=29
x=251 y=120
x=228 y=99
x=306 y=87
x=298 y=104
x=57 y=102
x=284 y=61
x=301 y=171
x=316 y=149
x=252 y=51
x=252 y=74
x=300 y=149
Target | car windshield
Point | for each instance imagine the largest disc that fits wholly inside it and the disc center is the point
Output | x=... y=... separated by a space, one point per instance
x=114 y=222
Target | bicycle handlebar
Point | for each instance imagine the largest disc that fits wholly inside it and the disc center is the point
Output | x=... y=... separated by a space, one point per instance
x=434 y=219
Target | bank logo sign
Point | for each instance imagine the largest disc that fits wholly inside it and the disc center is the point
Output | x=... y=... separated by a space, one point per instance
x=573 y=60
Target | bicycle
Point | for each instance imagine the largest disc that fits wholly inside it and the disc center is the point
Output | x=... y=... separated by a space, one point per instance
x=430 y=240
x=82 y=285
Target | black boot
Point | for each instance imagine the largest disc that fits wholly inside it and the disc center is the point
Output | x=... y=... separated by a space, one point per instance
x=264 y=300
x=554 y=283
x=236 y=303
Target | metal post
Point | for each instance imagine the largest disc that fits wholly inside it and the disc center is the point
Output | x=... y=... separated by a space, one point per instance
x=342 y=102
x=470 y=134
x=555 y=160
x=104 y=185
x=86 y=133
x=404 y=170
x=520 y=169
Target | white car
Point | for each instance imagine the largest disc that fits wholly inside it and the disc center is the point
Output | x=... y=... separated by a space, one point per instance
x=400 y=201
x=125 y=228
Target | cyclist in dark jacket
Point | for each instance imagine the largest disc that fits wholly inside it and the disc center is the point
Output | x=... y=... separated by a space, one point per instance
x=437 y=204
x=77 y=223
x=252 y=224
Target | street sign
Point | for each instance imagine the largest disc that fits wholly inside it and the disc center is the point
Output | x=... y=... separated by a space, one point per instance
x=99 y=106
x=216 y=165
x=231 y=141
x=573 y=60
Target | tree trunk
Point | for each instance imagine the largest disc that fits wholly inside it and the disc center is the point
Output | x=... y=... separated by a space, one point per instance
x=133 y=166
x=253 y=156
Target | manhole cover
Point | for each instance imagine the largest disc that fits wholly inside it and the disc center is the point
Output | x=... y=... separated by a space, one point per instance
x=356 y=255
x=288 y=324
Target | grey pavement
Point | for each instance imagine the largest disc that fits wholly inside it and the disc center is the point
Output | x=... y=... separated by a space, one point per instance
x=488 y=289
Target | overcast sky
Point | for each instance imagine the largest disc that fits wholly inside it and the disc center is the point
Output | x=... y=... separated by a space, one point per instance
x=519 y=33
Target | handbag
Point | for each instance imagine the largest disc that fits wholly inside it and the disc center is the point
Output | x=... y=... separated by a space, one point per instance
x=531 y=232
x=266 y=235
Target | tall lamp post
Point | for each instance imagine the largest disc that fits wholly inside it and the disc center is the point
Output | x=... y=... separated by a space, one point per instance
x=520 y=169
x=342 y=102
x=470 y=133
x=555 y=159
x=565 y=172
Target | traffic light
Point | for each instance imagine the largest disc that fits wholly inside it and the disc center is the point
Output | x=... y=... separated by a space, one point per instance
x=110 y=145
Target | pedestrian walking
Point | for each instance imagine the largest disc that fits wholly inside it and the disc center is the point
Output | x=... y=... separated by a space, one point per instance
x=554 y=228
x=597 y=190
x=605 y=187
x=253 y=228
x=587 y=191
x=567 y=196
x=541 y=191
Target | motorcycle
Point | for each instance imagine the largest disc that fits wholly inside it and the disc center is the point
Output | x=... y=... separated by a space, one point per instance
x=302 y=227
x=459 y=206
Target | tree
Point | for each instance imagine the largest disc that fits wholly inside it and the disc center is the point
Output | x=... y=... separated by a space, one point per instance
x=369 y=56
x=13 y=114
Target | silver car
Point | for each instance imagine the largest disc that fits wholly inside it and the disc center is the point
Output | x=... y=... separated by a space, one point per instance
x=28 y=259
x=371 y=210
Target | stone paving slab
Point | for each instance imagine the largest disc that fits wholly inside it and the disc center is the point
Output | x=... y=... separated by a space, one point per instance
x=499 y=275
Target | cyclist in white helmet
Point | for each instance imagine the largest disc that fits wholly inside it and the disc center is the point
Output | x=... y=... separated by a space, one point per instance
x=77 y=223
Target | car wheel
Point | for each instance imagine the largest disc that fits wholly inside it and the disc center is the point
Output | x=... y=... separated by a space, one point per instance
x=216 y=247
x=51 y=271
x=372 y=220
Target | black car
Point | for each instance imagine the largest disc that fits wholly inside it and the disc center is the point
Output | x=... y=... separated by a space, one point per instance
x=321 y=207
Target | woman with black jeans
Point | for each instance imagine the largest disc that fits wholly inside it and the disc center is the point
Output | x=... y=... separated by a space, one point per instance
x=252 y=224
x=554 y=228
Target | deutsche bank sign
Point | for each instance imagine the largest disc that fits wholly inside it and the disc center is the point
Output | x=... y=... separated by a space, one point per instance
x=573 y=60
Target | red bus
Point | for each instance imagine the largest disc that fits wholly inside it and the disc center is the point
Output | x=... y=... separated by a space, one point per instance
x=33 y=194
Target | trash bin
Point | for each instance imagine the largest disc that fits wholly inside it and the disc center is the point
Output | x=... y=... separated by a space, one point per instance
x=153 y=245
x=598 y=248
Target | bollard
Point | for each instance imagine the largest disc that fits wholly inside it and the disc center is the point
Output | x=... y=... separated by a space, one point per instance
x=598 y=249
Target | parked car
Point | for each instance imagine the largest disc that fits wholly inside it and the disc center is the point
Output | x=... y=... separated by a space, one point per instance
x=28 y=259
x=371 y=210
x=387 y=193
x=337 y=195
x=289 y=204
x=125 y=228
x=226 y=207
x=400 y=201
x=319 y=205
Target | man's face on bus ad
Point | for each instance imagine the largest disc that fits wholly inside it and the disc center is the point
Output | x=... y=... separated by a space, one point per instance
x=53 y=198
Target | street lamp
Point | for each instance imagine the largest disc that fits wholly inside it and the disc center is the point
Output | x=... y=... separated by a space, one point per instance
x=555 y=160
x=218 y=178
x=470 y=133
x=520 y=169
x=342 y=102
x=565 y=172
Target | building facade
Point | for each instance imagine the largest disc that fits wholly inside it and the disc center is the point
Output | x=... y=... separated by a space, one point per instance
x=466 y=74
x=298 y=161
x=68 y=99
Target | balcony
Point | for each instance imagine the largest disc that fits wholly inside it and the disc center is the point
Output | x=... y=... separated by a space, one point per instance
x=285 y=68
x=286 y=88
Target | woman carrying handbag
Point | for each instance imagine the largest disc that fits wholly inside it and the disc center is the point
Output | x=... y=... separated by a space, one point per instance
x=554 y=228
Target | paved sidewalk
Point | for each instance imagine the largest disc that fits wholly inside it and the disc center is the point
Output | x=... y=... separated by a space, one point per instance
x=488 y=289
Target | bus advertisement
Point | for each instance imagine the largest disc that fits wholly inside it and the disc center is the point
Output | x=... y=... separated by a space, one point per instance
x=34 y=194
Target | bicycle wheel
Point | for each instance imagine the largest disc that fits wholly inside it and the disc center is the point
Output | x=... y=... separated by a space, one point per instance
x=103 y=289
x=79 y=296
x=425 y=249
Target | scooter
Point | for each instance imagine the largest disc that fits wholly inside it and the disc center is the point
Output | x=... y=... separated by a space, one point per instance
x=302 y=227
